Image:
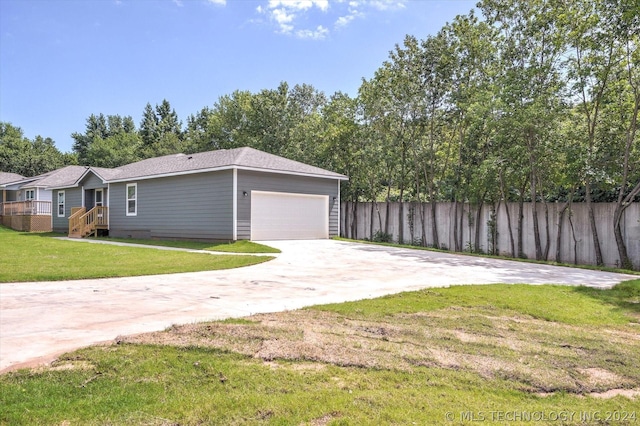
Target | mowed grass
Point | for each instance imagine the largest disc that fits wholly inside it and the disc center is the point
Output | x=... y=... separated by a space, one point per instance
x=242 y=246
x=37 y=257
x=495 y=354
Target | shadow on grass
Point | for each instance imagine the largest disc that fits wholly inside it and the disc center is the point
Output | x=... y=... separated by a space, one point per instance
x=625 y=296
x=41 y=234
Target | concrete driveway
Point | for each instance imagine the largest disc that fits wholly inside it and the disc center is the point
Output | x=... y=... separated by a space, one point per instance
x=39 y=321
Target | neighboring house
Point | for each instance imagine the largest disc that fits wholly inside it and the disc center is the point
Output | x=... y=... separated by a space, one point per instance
x=7 y=196
x=229 y=195
x=26 y=202
x=5 y=179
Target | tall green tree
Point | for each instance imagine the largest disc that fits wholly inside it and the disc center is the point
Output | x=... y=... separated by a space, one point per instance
x=531 y=47
x=471 y=118
x=96 y=127
x=161 y=131
x=108 y=141
x=603 y=70
x=27 y=157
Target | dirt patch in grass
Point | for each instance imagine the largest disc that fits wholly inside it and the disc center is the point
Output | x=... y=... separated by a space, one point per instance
x=541 y=357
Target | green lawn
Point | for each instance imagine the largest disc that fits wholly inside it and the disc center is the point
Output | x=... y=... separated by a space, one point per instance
x=37 y=257
x=241 y=246
x=494 y=354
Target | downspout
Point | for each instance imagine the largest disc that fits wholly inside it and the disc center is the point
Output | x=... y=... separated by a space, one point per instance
x=235 y=204
x=339 y=201
x=108 y=200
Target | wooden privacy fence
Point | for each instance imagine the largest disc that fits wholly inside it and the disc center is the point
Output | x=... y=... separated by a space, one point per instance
x=565 y=233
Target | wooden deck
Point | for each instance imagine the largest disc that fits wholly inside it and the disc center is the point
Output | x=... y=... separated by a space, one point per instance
x=28 y=216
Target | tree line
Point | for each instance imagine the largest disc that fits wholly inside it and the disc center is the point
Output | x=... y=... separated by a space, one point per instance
x=532 y=101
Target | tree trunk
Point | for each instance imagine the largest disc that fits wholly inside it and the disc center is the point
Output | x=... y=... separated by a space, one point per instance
x=371 y=220
x=621 y=206
x=520 y=230
x=461 y=234
x=346 y=230
x=510 y=228
x=434 y=225
x=456 y=245
x=493 y=229
x=547 y=244
x=575 y=240
x=411 y=216
x=624 y=202
x=423 y=239
x=592 y=223
x=506 y=209
x=386 y=218
x=354 y=222
x=379 y=216
x=625 y=262
x=534 y=214
x=476 y=243
x=559 y=234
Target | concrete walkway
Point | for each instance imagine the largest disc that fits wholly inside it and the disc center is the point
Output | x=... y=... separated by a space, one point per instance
x=39 y=321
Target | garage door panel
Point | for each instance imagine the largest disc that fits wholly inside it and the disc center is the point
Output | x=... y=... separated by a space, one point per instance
x=285 y=216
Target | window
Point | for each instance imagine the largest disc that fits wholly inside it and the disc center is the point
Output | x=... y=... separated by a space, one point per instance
x=30 y=194
x=60 y=203
x=132 y=199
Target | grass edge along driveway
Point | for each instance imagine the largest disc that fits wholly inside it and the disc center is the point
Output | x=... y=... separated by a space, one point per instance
x=26 y=257
x=494 y=354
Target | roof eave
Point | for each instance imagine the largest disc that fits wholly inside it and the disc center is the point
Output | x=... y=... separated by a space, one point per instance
x=222 y=168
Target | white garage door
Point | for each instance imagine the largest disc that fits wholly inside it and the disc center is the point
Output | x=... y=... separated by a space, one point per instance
x=283 y=216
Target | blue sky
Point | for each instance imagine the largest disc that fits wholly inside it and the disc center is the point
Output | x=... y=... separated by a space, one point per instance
x=63 y=60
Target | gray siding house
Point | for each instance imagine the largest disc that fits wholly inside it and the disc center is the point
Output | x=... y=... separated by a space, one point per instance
x=229 y=195
x=27 y=203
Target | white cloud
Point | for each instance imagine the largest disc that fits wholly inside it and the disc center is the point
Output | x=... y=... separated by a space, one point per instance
x=387 y=4
x=318 y=34
x=218 y=2
x=178 y=3
x=311 y=19
x=353 y=13
x=343 y=21
x=281 y=16
x=299 y=4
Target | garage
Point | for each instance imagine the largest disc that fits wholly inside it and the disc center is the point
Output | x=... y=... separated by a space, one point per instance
x=288 y=216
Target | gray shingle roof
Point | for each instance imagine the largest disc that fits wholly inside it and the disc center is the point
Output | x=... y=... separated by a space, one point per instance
x=248 y=158
x=64 y=177
x=6 y=177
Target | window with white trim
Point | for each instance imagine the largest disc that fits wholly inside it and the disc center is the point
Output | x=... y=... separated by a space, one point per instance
x=132 y=199
x=60 y=203
x=29 y=194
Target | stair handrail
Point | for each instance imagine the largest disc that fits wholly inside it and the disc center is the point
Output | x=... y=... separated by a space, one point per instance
x=75 y=220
